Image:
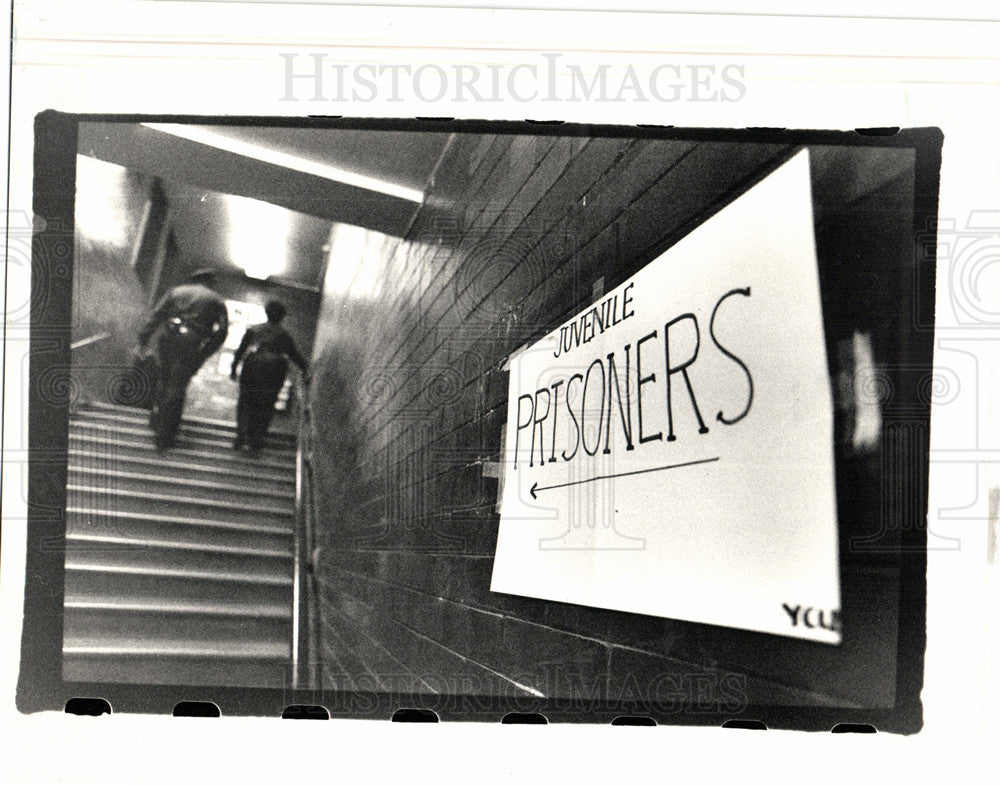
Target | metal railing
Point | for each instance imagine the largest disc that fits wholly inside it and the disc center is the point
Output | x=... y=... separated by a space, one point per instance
x=304 y=666
x=94 y=339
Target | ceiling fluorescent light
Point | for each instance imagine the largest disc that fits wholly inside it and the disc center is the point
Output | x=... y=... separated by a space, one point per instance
x=259 y=236
x=221 y=142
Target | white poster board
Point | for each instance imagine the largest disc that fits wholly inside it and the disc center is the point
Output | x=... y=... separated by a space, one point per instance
x=705 y=493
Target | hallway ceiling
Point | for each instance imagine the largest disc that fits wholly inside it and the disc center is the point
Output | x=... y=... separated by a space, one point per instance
x=206 y=169
x=403 y=158
x=201 y=222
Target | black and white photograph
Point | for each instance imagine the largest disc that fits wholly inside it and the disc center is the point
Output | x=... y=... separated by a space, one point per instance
x=546 y=391
x=485 y=420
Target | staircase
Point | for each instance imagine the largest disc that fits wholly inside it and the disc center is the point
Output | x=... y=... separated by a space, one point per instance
x=179 y=564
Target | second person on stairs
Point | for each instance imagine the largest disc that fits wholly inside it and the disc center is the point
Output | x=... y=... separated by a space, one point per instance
x=265 y=351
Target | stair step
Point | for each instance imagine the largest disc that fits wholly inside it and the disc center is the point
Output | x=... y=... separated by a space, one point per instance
x=177 y=563
x=236 y=479
x=225 y=432
x=105 y=623
x=125 y=647
x=179 y=585
x=229 y=459
x=117 y=519
x=220 y=491
x=143 y=414
x=117 y=500
x=162 y=606
x=206 y=533
x=87 y=542
x=92 y=664
x=140 y=433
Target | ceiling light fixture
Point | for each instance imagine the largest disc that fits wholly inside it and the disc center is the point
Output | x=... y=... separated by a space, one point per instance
x=259 y=236
x=239 y=147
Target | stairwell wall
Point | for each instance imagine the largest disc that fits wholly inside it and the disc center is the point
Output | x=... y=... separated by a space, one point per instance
x=409 y=402
x=108 y=295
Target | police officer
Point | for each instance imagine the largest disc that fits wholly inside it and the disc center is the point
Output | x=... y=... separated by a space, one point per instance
x=267 y=348
x=188 y=325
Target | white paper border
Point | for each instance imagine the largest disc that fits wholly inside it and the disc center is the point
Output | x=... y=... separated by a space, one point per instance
x=876 y=72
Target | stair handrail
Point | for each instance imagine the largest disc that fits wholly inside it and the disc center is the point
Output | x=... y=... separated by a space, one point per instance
x=93 y=339
x=303 y=617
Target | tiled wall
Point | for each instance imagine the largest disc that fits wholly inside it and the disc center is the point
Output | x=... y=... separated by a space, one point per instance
x=409 y=399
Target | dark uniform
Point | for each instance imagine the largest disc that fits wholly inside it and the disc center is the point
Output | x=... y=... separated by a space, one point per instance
x=267 y=348
x=187 y=327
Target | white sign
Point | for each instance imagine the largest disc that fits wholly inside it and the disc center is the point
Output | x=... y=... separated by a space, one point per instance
x=669 y=450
